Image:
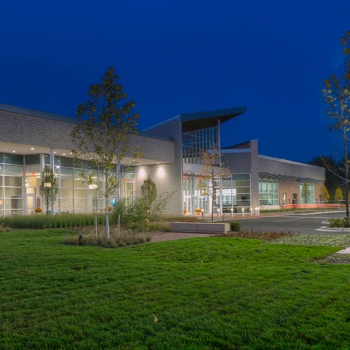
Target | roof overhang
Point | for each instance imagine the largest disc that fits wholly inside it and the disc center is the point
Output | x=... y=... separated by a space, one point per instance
x=270 y=176
x=202 y=120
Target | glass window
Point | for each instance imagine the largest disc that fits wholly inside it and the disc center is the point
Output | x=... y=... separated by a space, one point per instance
x=90 y=165
x=307 y=193
x=79 y=163
x=47 y=159
x=66 y=204
x=67 y=162
x=32 y=170
x=66 y=193
x=196 y=142
x=66 y=182
x=32 y=159
x=242 y=183
x=66 y=172
x=79 y=203
x=268 y=192
x=1 y=158
x=240 y=176
x=79 y=184
x=79 y=194
x=32 y=181
x=13 y=191
x=13 y=181
x=13 y=158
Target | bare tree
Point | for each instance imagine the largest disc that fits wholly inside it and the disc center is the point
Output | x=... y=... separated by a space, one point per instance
x=336 y=95
x=48 y=187
x=213 y=170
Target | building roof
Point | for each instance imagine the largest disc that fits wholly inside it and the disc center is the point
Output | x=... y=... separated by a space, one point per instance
x=202 y=120
x=35 y=113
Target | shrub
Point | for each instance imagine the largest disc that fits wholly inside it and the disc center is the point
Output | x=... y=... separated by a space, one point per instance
x=235 y=226
x=87 y=236
x=58 y=221
x=337 y=222
x=262 y=235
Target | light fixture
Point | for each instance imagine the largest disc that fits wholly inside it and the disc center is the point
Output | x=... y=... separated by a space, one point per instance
x=64 y=154
x=13 y=151
x=32 y=149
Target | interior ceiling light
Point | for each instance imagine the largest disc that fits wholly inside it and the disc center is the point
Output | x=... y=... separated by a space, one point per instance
x=13 y=151
x=32 y=149
x=64 y=154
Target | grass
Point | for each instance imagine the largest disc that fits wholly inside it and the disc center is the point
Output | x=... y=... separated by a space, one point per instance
x=202 y=293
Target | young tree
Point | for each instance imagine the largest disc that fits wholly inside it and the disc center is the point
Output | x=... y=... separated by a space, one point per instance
x=105 y=122
x=325 y=194
x=148 y=192
x=214 y=170
x=48 y=187
x=336 y=95
x=305 y=192
x=338 y=196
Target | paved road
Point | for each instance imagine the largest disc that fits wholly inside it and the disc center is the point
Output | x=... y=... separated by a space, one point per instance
x=304 y=224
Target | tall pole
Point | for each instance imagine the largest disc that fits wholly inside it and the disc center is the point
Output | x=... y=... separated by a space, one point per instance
x=220 y=177
x=346 y=161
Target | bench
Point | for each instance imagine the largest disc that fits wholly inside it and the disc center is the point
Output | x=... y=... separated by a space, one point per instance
x=200 y=227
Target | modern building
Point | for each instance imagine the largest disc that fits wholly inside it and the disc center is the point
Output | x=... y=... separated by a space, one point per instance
x=171 y=154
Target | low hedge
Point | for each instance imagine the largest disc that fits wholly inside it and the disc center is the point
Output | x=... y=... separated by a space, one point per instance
x=235 y=226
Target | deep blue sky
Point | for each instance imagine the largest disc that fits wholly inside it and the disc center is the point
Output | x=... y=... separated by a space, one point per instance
x=181 y=56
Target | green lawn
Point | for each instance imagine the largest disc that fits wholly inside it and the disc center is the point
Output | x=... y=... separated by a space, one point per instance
x=204 y=293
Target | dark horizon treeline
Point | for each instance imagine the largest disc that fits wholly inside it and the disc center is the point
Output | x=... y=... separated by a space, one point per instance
x=335 y=173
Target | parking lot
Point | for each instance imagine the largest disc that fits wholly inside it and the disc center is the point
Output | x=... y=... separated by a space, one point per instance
x=313 y=223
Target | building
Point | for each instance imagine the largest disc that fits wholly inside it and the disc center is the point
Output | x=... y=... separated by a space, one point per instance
x=171 y=154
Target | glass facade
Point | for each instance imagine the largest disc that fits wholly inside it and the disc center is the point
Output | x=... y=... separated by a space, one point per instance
x=196 y=142
x=268 y=192
x=235 y=193
x=20 y=182
x=311 y=198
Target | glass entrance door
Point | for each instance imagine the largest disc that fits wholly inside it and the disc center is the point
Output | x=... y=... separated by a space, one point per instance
x=187 y=205
x=30 y=200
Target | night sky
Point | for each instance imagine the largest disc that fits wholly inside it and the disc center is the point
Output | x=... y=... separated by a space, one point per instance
x=182 y=56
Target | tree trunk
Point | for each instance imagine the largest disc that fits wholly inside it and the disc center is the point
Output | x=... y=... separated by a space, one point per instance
x=346 y=172
x=107 y=219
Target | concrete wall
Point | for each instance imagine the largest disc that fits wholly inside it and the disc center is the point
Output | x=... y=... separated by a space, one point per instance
x=50 y=132
x=167 y=177
x=292 y=185
x=243 y=159
x=289 y=168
